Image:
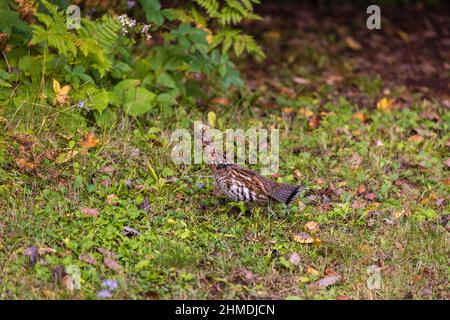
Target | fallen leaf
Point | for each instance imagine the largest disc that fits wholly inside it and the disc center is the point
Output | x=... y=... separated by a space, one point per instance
x=447 y=162
x=325 y=282
x=371 y=196
x=332 y=79
x=416 y=138
x=352 y=43
x=312 y=271
x=45 y=250
x=307 y=113
x=106 y=252
x=91 y=212
x=220 y=100
x=68 y=283
x=88 y=259
x=330 y=272
x=385 y=104
x=130 y=232
x=112 y=264
x=312 y=226
x=359 y=116
x=25 y=165
x=112 y=199
x=361 y=190
x=343 y=297
x=303 y=237
x=109 y=169
x=314 y=122
x=89 y=141
x=303 y=81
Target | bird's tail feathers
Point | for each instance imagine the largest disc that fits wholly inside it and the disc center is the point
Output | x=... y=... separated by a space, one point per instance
x=286 y=193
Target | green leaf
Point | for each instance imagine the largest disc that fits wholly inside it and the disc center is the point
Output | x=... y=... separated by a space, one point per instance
x=166 y=80
x=100 y=101
x=142 y=102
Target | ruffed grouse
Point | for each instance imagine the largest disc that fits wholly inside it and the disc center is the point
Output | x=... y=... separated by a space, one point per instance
x=243 y=184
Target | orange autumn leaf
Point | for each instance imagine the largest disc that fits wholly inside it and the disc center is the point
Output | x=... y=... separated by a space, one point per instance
x=359 y=116
x=89 y=141
x=416 y=138
x=314 y=122
x=24 y=165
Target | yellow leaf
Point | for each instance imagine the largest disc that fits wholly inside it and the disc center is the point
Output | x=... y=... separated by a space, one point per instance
x=56 y=86
x=89 y=141
x=385 y=104
x=64 y=90
x=62 y=94
x=212 y=119
x=352 y=43
x=303 y=238
x=306 y=112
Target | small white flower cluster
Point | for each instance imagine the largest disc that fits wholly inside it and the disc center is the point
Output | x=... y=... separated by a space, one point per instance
x=130 y=24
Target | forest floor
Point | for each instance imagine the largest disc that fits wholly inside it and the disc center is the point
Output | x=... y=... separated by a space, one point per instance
x=364 y=121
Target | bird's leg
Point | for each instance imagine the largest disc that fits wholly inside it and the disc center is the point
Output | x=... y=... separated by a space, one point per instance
x=269 y=210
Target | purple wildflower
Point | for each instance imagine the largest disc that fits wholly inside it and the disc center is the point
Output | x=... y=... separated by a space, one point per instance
x=104 y=294
x=131 y=4
x=111 y=284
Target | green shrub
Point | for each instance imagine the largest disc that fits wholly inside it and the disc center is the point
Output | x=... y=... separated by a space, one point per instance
x=103 y=69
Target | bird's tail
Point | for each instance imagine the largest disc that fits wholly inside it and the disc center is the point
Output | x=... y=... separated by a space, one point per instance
x=286 y=193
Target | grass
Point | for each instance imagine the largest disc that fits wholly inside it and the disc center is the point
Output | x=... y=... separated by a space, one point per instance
x=191 y=244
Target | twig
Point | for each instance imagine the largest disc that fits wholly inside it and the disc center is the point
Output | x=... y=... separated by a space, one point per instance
x=6 y=60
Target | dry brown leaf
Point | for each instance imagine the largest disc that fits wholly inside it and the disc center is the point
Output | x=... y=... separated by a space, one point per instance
x=312 y=226
x=25 y=165
x=334 y=78
x=325 y=282
x=68 y=283
x=89 y=141
x=112 y=199
x=91 y=212
x=112 y=264
x=88 y=259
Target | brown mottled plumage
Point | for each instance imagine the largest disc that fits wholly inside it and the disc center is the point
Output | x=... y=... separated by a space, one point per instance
x=243 y=184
